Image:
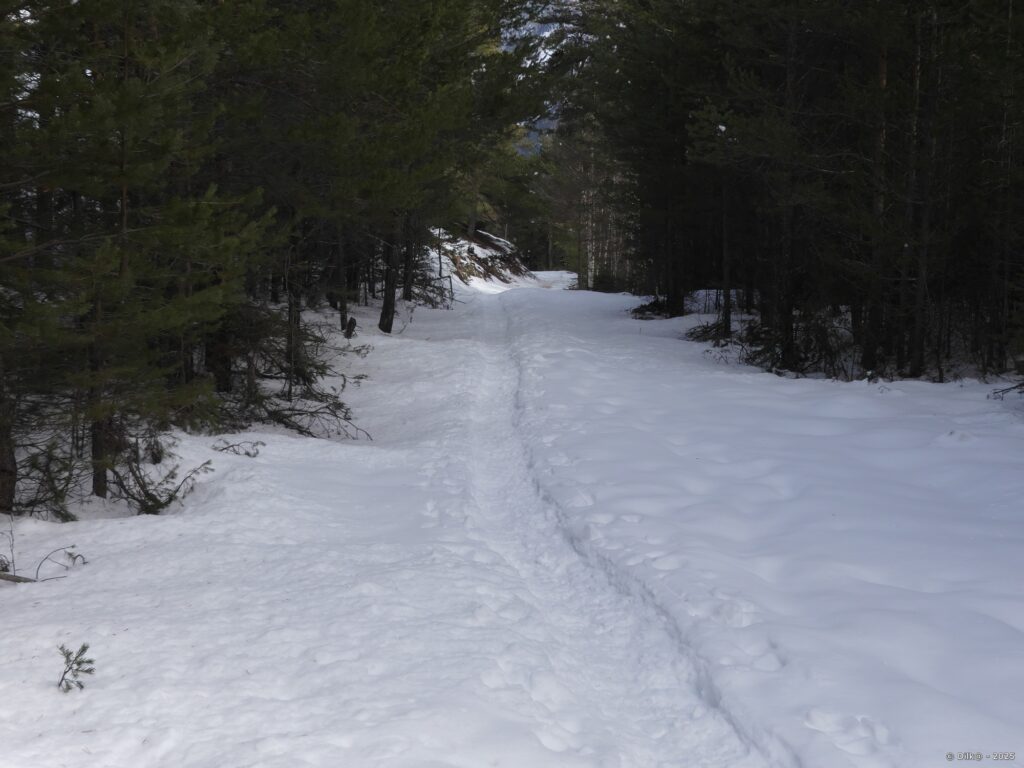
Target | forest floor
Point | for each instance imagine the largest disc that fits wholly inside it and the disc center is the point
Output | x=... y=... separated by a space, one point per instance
x=575 y=541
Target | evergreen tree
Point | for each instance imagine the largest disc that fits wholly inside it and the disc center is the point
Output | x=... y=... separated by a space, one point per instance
x=850 y=168
x=183 y=179
x=133 y=261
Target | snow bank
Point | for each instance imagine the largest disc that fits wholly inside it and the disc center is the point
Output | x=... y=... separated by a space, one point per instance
x=844 y=559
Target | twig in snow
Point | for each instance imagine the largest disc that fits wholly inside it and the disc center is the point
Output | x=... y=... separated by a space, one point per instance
x=250 y=448
x=74 y=557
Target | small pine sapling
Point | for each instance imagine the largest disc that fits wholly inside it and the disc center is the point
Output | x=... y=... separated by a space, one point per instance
x=75 y=665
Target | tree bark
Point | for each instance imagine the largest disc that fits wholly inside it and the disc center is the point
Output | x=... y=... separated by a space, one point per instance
x=726 y=330
x=16 y=579
x=99 y=428
x=909 y=249
x=920 y=330
x=876 y=298
x=218 y=358
x=8 y=459
x=341 y=280
x=394 y=249
x=297 y=372
x=99 y=433
x=409 y=251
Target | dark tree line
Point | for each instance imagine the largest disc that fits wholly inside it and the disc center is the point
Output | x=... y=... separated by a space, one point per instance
x=181 y=179
x=850 y=174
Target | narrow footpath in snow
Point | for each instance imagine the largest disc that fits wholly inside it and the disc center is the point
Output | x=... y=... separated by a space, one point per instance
x=573 y=542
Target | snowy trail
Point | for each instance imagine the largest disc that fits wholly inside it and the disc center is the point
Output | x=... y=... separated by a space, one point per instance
x=842 y=561
x=613 y=682
x=574 y=542
x=407 y=602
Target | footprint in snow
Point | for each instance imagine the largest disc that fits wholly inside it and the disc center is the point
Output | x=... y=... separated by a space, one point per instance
x=668 y=563
x=854 y=735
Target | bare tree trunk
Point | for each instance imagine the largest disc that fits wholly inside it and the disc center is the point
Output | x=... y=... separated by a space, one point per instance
x=783 y=280
x=1006 y=144
x=472 y=221
x=581 y=273
x=387 y=310
x=550 y=260
x=8 y=460
x=784 y=293
x=920 y=330
x=909 y=251
x=218 y=359
x=294 y=351
x=99 y=428
x=675 y=292
x=341 y=279
x=275 y=288
x=99 y=433
x=876 y=298
x=410 y=248
x=371 y=273
x=726 y=330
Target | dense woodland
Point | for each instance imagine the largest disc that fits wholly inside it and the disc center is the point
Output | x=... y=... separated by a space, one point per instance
x=181 y=180
x=848 y=175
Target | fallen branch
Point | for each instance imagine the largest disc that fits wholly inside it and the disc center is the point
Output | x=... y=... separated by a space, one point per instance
x=250 y=448
x=999 y=394
x=74 y=557
x=16 y=579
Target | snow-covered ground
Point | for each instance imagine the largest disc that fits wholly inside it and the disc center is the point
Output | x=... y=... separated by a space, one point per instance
x=575 y=541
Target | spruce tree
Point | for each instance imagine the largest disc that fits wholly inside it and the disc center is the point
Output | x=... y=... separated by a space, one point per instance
x=151 y=261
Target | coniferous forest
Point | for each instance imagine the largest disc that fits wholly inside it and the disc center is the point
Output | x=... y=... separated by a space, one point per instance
x=181 y=180
x=846 y=174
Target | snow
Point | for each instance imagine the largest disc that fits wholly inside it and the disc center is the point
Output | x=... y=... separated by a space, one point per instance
x=576 y=541
x=549 y=280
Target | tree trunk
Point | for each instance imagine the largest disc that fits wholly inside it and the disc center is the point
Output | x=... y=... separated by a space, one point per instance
x=1006 y=160
x=873 y=328
x=8 y=460
x=99 y=428
x=297 y=372
x=99 y=435
x=471 y=224
x=920 y=330
x=387 y=310
x=726 y=330
x=341 y=280
x=410 y=250
x=909 y=250
x=550 y=261
x=275 y=288
x=371 y=272
x=581 y=272
x=218 y=358
x=783 y=279
x=784 y=294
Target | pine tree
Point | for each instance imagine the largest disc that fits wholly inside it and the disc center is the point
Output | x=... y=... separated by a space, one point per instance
x=148 y=261
x=838 y=161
